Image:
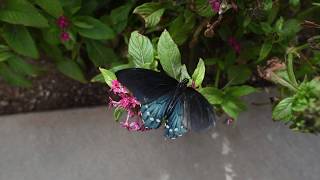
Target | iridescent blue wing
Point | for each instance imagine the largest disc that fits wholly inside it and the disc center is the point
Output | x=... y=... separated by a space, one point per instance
x=176 y=122
x=199 y=112
x=154 y=112
x=146 y=85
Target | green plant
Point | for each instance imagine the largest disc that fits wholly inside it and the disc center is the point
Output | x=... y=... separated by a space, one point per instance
x=221 y=41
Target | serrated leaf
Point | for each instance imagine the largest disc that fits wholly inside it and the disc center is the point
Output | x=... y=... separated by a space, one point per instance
x=99 y=54
x=283 y=110
x=108 y=76
x=140 y=50
x=71 y=69
x=20 y=40
x=53 y=7
x=169 y=55
x=99 y=30
x=198 y=74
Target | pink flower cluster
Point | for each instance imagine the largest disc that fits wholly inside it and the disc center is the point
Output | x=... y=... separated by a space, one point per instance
x=229 y=121
x=234 y=44
x=215 y=5
x=128 y=103
x=63 y=23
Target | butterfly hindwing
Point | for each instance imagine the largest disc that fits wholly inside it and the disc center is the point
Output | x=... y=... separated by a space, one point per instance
x=200 y=114
x=154 y=112
x=176 y=125
x=146 y=85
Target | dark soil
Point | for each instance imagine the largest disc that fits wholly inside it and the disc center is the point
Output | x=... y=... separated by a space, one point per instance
x=51 y=91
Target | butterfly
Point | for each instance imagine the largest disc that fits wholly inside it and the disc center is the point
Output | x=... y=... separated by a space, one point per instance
x=164 y=100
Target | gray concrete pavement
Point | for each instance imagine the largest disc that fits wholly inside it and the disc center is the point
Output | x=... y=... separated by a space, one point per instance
x=86 y=144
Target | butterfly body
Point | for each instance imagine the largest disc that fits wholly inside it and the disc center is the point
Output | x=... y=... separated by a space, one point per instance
x=164 y=99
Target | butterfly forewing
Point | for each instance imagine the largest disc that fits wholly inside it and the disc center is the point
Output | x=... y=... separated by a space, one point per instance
x=146 y=85
x=199 y=112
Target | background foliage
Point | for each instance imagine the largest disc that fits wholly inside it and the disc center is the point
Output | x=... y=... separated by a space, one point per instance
x=224 y=51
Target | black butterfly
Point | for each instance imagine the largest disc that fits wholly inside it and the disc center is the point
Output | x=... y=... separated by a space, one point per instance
x=164 y=99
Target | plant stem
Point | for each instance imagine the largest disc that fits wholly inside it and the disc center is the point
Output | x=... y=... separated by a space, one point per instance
x=217 y=79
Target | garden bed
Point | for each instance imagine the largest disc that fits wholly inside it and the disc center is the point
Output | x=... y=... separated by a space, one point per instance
x=50 y=91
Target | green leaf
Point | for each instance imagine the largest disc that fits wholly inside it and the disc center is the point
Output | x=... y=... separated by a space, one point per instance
x=184 y=73
x=119 y=17
x=98 y=30
x=140 y=50
x=181 y=27
x=22 y=12
x=169 y=55
x=53 y=7
x=5 y=55
x=212 y=94
x=265 y=50
x=117 y=113
x=267 y=5
x=99 y=54
x=20 y=40
x=21 y=66
x=266 y=27
x=233 y=106
x=151 y=13
x=290 y=28
x=51 y=35
x=283 y=111
x=203 y=8
x=71 y=69
x=238 y=74
x=198 y=74
x=294 y=2
x=119 y=67
x=71 y=6
x=153 y=19
x=98 y=78
x=13 y=78
x=108 y=76
x=238 y=91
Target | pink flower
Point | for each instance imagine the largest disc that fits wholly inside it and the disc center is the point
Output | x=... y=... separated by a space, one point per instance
x=130 y=104
x=215 y=5
x=234 y=44
x=117 y=88
x=136 y=125
x=63 y=22
x=229 y=121
x=64 y=36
